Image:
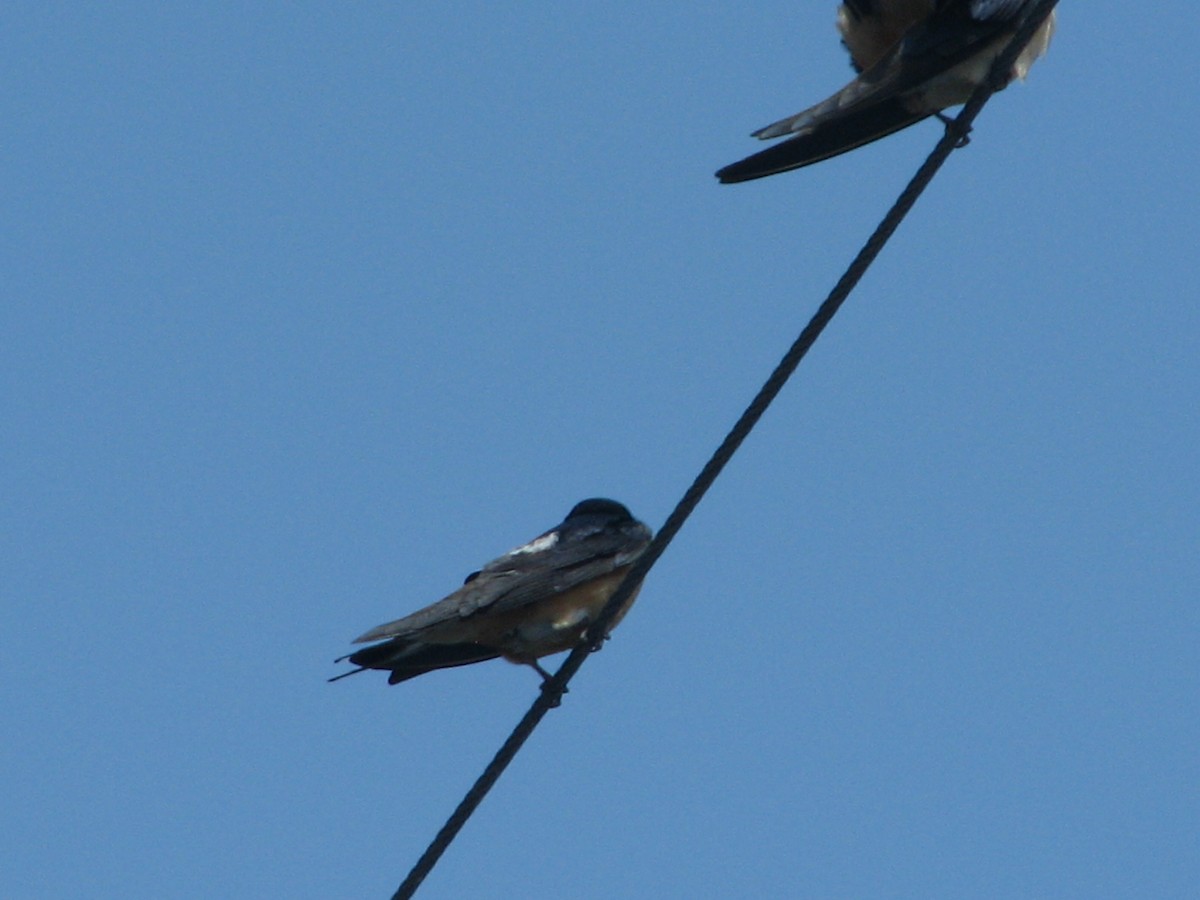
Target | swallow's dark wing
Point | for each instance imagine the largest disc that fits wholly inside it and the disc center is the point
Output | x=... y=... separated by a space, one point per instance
x=407 y=655
x=577 y=559
x=956 y=31
x=554 y=562
x=476 y=594
x=949 y=36
x=848 y=132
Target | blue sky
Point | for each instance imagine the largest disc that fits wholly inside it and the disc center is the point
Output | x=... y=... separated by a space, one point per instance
x=310 y=310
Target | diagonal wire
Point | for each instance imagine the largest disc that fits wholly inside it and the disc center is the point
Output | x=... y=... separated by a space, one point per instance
x=552 y=690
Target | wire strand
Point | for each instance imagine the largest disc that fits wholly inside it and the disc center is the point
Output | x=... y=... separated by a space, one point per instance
x=552 y=691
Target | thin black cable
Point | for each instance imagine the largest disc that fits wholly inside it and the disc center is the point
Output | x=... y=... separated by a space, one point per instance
x=552 y=690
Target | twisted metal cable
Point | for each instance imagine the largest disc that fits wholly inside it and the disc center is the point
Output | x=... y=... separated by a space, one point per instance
x=552 y=691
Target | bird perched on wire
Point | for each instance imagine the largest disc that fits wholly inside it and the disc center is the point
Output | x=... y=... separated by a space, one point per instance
x=914 y=59
x=534 y=600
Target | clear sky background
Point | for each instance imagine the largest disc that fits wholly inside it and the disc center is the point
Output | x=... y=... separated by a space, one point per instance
x=310 y=309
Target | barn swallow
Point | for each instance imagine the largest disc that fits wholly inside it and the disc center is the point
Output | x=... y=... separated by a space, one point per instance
x=533 y=601
x=914 y=59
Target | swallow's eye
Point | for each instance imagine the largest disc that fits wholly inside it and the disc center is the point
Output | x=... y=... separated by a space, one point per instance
x=470 y=578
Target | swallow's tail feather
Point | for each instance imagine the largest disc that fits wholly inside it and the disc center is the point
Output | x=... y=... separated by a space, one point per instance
x=344 y=674
x=407 y=659
x=822 y=139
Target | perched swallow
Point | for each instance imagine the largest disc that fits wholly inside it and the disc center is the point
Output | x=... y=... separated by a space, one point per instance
x=533 y=601
x=914 y=59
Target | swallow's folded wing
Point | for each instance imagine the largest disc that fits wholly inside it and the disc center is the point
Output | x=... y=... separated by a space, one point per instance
x=572 y=562
x=540 y=569
x=930 y=48
x=832 y=138
x=478 y=593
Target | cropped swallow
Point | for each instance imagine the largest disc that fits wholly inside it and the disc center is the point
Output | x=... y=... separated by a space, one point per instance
x=533 y=601
x=914 y=59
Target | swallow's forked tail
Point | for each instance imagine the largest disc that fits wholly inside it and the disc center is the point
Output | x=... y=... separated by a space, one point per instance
x=407 y=659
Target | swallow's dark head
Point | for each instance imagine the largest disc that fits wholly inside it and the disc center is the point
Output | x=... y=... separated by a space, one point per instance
x=611 y=510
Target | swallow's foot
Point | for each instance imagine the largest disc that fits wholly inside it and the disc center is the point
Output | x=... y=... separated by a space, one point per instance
x=557 y=701
x=597 y=644
x=962 y=135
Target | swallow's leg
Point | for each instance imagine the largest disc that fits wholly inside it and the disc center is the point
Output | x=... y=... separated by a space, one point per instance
x=546 y=676
x=964 y=135
x=598 y=644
